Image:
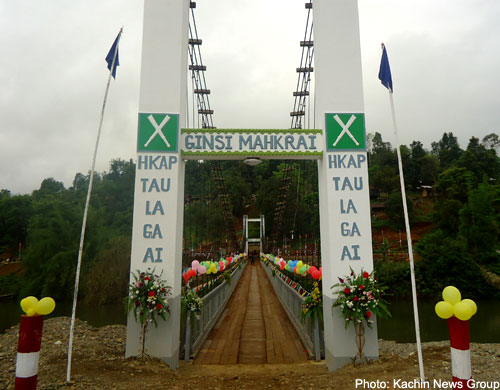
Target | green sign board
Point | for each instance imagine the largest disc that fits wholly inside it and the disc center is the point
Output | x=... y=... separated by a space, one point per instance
x=345 y=131
x=158 y=133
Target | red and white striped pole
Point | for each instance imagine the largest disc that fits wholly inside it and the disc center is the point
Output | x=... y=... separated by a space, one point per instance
x=460 y=351
x=28 y=352
x=458 y=311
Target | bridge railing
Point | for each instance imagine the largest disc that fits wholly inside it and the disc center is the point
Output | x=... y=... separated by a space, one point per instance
x=311 y=334
x=198 y=328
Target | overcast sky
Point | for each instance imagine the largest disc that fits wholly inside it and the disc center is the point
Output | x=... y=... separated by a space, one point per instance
x=444 y=56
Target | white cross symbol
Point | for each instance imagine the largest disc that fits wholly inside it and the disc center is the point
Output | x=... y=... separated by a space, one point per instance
x=345 y=129
x=158 y=130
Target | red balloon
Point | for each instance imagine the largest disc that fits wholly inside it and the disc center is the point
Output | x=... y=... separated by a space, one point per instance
x=282 y=267
x=186 y=277
x=295 y=269
x=192 y=273
x=316 y=274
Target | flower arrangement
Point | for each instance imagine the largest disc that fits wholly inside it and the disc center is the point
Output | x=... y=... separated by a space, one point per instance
x=148 y=299
x=360 y=295
x=313 y=304
x=193 y=302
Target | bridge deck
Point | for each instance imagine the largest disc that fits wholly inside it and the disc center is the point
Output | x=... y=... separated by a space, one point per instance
x=254 y=328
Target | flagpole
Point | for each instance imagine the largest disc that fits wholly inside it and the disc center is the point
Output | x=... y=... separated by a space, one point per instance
x=410 y=245
x=84 y=222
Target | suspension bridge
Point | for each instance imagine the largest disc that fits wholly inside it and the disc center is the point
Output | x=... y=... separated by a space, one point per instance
x=253 y=328
x=252 y=308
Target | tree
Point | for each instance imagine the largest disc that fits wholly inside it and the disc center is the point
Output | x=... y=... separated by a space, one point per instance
x=445 y=261
x=491 y=141
x=455 y=183
x=15 y=214
x=483 y=163
x=394 y=208
x=447 y=150
x=478 y=224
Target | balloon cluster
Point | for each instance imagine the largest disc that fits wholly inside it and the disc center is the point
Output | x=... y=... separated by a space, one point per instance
x=298 y=267
x=209 y=267
x=32 y=306
x=454 y=305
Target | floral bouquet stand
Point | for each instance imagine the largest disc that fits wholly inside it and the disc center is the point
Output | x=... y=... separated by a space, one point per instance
x=359 y=297
x=148 y=300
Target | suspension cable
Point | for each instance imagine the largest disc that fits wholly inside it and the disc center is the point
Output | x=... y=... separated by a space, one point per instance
x=304 y=71
x=205 y=116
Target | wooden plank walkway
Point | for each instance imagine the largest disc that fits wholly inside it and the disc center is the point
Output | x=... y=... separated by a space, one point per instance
x=254 y=328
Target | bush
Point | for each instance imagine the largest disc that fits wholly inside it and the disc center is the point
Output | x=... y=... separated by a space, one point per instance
x=445 y=261
x=10 y=284
x=394 y=209
x=396 y=276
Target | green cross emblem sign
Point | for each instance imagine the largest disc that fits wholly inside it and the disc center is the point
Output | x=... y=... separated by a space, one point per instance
x=345 y=131
x=158 y=133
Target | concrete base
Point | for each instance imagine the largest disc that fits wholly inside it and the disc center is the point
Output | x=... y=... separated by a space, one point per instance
x=341 y=348
x=162 y=341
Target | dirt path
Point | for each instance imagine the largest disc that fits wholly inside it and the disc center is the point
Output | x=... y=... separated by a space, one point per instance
x=99 y=363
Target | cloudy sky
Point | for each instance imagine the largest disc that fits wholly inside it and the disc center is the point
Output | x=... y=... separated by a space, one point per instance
x=444 y=56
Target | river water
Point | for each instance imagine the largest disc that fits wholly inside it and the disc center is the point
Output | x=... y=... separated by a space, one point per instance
x=484 y=326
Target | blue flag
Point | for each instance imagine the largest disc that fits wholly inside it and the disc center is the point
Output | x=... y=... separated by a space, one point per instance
x=385 y=71
x=111 y=55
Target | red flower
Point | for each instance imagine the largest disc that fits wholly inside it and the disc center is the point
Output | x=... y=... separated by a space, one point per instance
x=347 y=291
x=162 y=289
x=151 y=294
x=355 y=299
x=361 y=287
x=366 y=275
x=368 y=314
x=159 y=306
x=147 y=278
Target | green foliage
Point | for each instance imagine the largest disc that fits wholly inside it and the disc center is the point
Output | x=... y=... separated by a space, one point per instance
x=445 y=261
x=455 y=183
x=15 y=214
x=394 y=209
x=478 y=222
x=10 y=284
x=482 y=163
x=447 y=150
x=396 y=276
x=107 y=277
x=446 y=214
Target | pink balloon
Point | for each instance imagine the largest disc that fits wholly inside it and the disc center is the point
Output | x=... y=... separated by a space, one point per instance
x=195 y=264
x=202 y=269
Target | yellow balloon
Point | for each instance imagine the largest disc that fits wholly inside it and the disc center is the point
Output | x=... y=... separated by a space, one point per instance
x=28 y=303
x=31 y=312
x=444 y=309
x=451 y=295
x=45 y=306
x=463 y=311
x=300 y=264
x=472 y=304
